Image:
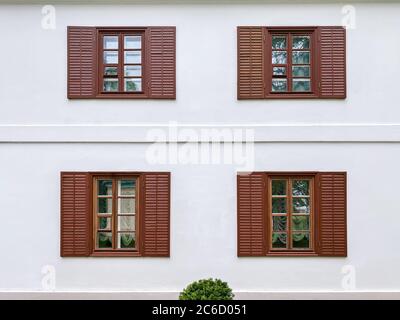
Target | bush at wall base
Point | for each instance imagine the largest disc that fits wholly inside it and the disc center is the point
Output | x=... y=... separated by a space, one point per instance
x=207 y=289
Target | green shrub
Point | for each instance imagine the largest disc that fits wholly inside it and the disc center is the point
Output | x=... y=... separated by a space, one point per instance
x=207 y=289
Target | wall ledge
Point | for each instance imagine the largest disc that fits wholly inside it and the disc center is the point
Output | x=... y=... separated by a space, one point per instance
x=176 y=132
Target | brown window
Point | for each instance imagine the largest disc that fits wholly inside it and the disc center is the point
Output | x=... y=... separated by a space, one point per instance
x=115 y=214
x=129 y=62
x=291 y=62
x=292 y=214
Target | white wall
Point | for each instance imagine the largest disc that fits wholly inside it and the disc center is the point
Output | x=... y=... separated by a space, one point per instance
x=33 y=107
x=33 y=81
x=203 y=220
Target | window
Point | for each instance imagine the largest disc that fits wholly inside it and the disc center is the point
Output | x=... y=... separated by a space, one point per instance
x=121 y=66
x=115 y=214
x=291 y=62
x=126 y=62
x=291 y=67
x=292 y=214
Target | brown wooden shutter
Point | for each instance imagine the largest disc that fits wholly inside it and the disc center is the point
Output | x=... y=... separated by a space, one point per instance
x=332 y=64
x=161 y=62
x=251 y=211
x=332 y=214
x=75 y=214
x=156 y=214
x=81 y=62
x=250 y=63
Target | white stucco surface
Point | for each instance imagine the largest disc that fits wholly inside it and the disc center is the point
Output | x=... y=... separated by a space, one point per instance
x=203 y=220
x=359 y=135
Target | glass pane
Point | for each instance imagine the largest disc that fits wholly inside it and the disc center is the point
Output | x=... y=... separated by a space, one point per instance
x=126 y=205
x=279 y=57
x=278 y=187
x=104 y=240
x=279 y=223
x=278 y=42
x=132 y=71
x=301 y=187
x=105 y=205
x=301 y=71
x=133 y=42
x=110 y=42
x=301 y=240
x=278 y=205
x=110 y=57
x=126 y=187
x=301 y=57
x=301 y=205
x=133 y=57
x=279 y=71
x=105 y=223
x=126 y=223
x=126 y=240
x=110 y=71
x=133 y=85
x=301 y=223
x=104 y=187
x=110 y=85
x=279 y=240
x=301 y=85
x=279 y=85
x=301 y=42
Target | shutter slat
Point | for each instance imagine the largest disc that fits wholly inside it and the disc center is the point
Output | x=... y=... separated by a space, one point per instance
x=250 y=193
x=156 y=210
x=250 y=63
x=75 y=232
x=332 y=215
x=81 y=62
x=332 y=62
x=161 y=56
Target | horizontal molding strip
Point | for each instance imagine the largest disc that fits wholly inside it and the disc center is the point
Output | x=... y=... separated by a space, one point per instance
x=173 y=295
x=176 y=132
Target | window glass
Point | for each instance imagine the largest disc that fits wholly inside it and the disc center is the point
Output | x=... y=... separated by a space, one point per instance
x=290 y=225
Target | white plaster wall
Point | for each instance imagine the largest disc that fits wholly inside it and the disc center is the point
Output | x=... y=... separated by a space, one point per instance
x=203 y=220
x=33 y=81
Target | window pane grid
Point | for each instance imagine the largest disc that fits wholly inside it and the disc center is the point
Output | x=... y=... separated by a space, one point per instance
x=291 y=231
x=291 y=63
x=124 y=53
x=116 y=231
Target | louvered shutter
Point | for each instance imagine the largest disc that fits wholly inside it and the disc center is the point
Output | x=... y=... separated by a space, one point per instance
x=250 y=63
x=332 y=64
x=156 y=214
x=75 y=231
x=251 y=211
x=161 y=62
x=81 y=62
x=332 y=214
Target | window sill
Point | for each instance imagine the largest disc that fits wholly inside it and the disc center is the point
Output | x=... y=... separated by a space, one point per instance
x=122 y=96
x=292 y=96
x=292 y=254
x=116 y=254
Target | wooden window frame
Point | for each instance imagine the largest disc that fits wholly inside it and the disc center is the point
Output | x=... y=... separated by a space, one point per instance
x=115 y=252
x=121 y=32
x=312 y=251
x=314 y=64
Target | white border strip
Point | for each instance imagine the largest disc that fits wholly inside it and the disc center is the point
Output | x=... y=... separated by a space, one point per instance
x=144 y=133
x=173 y=295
